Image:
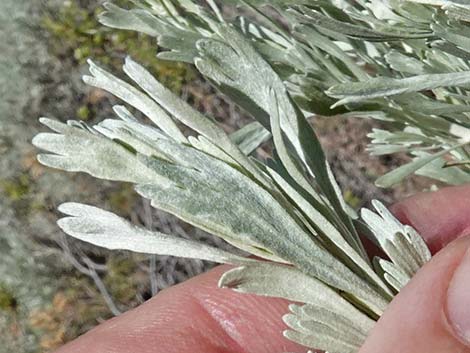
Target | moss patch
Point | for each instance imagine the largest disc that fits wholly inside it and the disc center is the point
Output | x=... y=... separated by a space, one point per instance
x=7 y=299
x=16 y=189
x=75 y=32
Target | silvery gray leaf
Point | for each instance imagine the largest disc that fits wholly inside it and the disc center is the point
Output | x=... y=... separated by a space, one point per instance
x=105 y=229
x=286 y=282
x=250 y=137
x=104 y=80
x=403 y=63
x=215 y=197
x=187 y=115
x=77 y=150
x=401 y=243
x=398 y=174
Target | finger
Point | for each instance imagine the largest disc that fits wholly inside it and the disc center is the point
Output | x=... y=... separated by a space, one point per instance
x=440 y=217
x=428 y=314
x=431 y=312
x=195 y=316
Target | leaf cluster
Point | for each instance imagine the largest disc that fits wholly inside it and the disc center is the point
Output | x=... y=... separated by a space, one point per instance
x=287 y=210
x=403 y=63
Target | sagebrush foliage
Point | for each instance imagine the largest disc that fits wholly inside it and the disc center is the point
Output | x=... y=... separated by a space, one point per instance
x=409 y=59
x=402 y=62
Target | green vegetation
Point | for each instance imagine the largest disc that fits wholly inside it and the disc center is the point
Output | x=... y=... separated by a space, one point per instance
x=75 y=32
x=120 y=278
x=351 y=199
x=403 y=64
x=7 y=299
x=123 y=199
x=16 y=189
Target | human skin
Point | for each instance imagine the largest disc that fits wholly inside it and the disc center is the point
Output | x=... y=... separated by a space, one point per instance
x=429 y=315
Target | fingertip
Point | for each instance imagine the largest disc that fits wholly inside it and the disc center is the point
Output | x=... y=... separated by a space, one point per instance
x=440 y=216
x=416 y=319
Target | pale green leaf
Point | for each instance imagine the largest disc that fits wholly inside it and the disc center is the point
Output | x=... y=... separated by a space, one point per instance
x=403 y=245
x=187 y=115
x=105 y=229
x=322 y=336
x=250 y=137
x=398 y=174
x=328 y=232
x=394 y=275
x=383 y=87
x=133 y=134
x=286 y=282
x=316 y=163
x=211 y=195
x=135 y=20
x=311 y=17
x=436 y=170
x=134 y=97
x=77 y=150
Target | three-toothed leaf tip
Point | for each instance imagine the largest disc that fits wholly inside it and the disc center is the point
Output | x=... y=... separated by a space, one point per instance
x=105 y=229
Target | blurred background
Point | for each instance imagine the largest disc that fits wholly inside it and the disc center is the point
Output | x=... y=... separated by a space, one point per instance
x=53 y=289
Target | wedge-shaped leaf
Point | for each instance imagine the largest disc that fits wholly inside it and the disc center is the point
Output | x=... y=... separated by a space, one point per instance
x=104 y=80
x=383 y=87
x=235 y=63
x=402 y=255
x=393 y=274
x=325 y=229
x=136 y=20
x=401 y=243
x=324 y=329
x=287 y=282
x=284 y=150
x=315 y=162
x=240 y=72
x=181 y=45
x=188 y=116
x=77 y=150
x=227 y=64
x=175 y=35
x=316 y=313
x=212 y=195
x=105 y=229
x=315 y=334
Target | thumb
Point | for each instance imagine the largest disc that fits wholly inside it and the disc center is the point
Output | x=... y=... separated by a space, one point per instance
x=432 y=313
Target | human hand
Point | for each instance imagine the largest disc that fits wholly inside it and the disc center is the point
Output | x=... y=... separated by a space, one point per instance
x=430 y=315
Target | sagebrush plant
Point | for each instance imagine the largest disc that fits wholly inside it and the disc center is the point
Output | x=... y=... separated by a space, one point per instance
x=402 y=62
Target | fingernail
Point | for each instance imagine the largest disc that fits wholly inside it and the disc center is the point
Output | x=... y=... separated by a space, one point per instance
x=458 y=300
